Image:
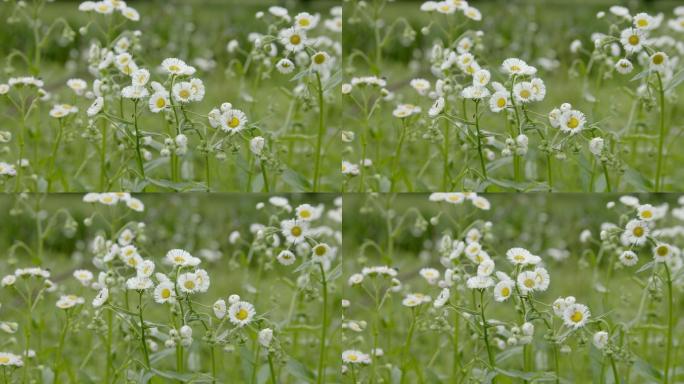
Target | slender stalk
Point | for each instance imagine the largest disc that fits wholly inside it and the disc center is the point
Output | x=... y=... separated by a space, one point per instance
x=616 y=376
x=207 y=160
x=264 y=176
x=142 y=332
x=605 y=175
x=397 y=152
x=353 y=374
x=670 y=325
x=212 y=351
x=324 y=327
x=490 y=355
x=103 y=156
x=549 y=172
x=479 y=140
x=456 y=361
x=141 y=168
x=556 y=362
x=60 y=346
x=255 y=366
x=445 y=175
x=661 y=137
x=271 y=369
x=407 y=345
x=321 y=132
x=109 y=346
x=55 y=147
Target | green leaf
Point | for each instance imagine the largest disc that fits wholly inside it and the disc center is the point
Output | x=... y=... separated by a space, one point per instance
x=299 y=370
x=675 y=81
x=185 y=377
x=295 y=180
x=643 y=368
x=646 y=267
x=538 y=376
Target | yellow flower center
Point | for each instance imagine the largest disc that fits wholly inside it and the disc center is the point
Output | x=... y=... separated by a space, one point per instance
x=304 y=22
x=658 y=59
x=633 y=40
x=525 y=93
x=662 y=250
x=242 y=314
x=174 y=68
x=642 y=23
x=161 y=103
x=529 y=283
x=190 y=284
x=184 y=93
x=638 y=231
x=296 y=231
x=295 y=39
x=4 y=359
x=319 y=58
x=515 y=68
x=166 y=293
x=234 y=122
x=304 y=214
x=501 y=103
x=577 y=317
x=320 y=250
x=573 y=123
x=646 y=214
x=505 y=291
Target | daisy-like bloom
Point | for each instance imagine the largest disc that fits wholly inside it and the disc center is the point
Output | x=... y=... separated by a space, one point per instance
x=83 y=276
x=503 y=290
x=454 y=198
x=523 y=92
x=415 y=299
x=628 y=258
x=182 y=92
x=77 y=85
x=95 y=107
x=140 y=77
x=174 y=66
x=321 y=61
x=134 y=92
x=636 y=232
x=472 y=13
x=62 y=110
x=285 y=66
x=306 y=212
x=146 y=268
x=352 y=356
x=596 y=145
x=442 y=298
x=10 y=360
x=662 y=252
x=294 y=231
x=4 y=88
x=349 y=168
x=135 y=204
x=643 y=21
x=430 y=274
x=103 y=7
x=543 y=279
x=646 y=212
x=354 y=279
x=519 y=256
x=421 y=86
x=233 y=121
x=481 y=78
x=158 y=102
x=600 y=339
x=164 y=293
x=479 y=282
x=624 y=66
x=7 y=169
x=475 y=92
x=256 y=145
x=572 y=122
x=220 y=309
x=265 y=337
x=406 y=110
x=293 y=39
x=437 y=107
x=101 y=297
x=320 y=251
x=181 y=258
x=69 y=301
x=514 y=66
x=188 y=282
x=198 y=90
x=139 y=283
x=286 y=257
x=658 y=62
x=527 y=281
x=241 y=313
x=576 y=315
x=538 y=89
x=130 y=14
x=498 y=102
x=632 y=40
x=481 y=203
x=485 y=268
x=445 y=7
x=8 y=281
x=305 y=21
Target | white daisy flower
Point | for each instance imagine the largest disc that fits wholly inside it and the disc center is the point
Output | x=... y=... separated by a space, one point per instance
x=159 y=102
x=662 y=252
x=101 y=297
x=165 y=292
x=306 y=21
x=233 y=121
x=658 y=62
x=139 y=283
x=285 y=66
x=572 y=122
x=241 y=313
x=220 y=309
x=636 y=232
x=174 y=66
x=294 y=231
x=293 y=39
x=632 y=40
x=527 y=281
x=503 y=290
x=576 y=315
x=624 y=66
x=628 y=258
x=188 y=282
x=431 y=275
x=479 y=282
x=600 y=339
x=83 y=276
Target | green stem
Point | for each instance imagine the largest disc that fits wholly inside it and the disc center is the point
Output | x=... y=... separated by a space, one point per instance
x=616 y=376
x=208 y=170
x=324 y=327
x=109 y=346
x=55 y=147
x=103 y=156
x=479 y=140
x=321 y=132
x=141 y=168
x=397 y=153
x=255 y=366
x=605 y=175
x=490 y=355
x=213 y=362
x=271 y=369
x=60 y=346
x=142 y=332
x=457 y=361
x=549 y=172
x=670 y=325
x=264 y=176
x=661 y=137
x=445 y=175
x=407 y=345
